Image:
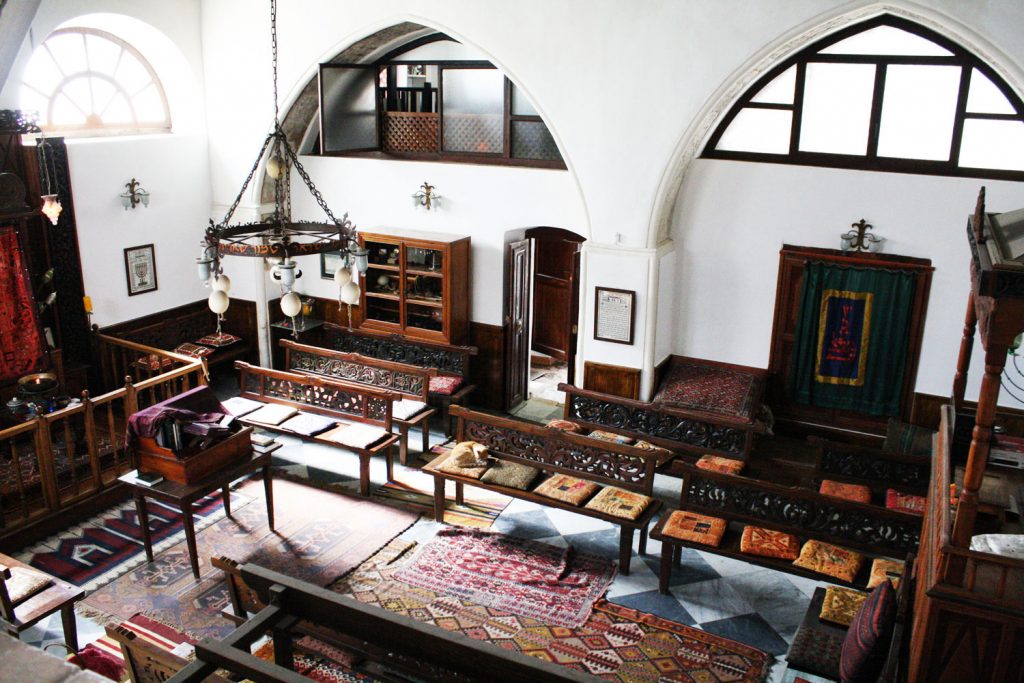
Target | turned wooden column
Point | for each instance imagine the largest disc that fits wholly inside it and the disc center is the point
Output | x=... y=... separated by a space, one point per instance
x=963 y=361
x=977 y=457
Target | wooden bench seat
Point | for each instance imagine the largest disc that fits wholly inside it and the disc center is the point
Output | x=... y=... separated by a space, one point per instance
x=343 y=402
x=410 y=382
x=554 y=451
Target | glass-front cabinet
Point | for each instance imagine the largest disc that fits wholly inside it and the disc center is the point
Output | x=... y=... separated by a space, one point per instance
x=417 y=285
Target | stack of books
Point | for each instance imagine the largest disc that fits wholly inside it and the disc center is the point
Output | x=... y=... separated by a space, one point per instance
x=146 y=478
x=264 y=443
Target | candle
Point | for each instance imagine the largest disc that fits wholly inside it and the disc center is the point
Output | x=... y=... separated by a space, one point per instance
x=87 y=303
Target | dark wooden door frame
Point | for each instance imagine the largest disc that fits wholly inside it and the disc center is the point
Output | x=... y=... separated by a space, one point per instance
x=516 y=320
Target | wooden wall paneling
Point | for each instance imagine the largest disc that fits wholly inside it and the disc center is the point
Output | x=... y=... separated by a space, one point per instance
x=612 y=379
x=925 y=413
x=487 y=369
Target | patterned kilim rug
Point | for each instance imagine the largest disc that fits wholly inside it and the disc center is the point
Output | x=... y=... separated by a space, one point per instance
x=99 y=550
x=415 y=491
x=696 y=385
x=616 y=643
x=552 y=584
x=319 y=536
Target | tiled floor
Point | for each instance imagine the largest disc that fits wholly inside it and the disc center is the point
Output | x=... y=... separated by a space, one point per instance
x=756 y=606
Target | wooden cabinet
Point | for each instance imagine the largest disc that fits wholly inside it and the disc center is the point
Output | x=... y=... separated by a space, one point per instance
x=417 y=285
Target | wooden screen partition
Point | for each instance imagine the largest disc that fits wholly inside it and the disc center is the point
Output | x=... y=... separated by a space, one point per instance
x=612 y=379
x=792 y=261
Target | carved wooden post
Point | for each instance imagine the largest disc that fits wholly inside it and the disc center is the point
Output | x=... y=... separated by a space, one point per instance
x=44 y=458
x=964 y=359
x=89 y=415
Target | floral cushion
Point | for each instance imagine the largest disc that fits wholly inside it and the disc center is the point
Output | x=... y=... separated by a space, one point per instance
x=565 y=426
x=689 y=526
x=610 y=436
x=830 y=560
x=769 y=543
x=619 y=502
x=567 y=489
x=905 y=502
x=446 y=385
x=867 y=641
x=841 y=604
x=837 y=489
x=512 y=474
x=716 y=463
x=882 y=569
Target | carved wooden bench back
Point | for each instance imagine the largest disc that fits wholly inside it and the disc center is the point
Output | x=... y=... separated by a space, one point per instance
x=445 y=358
x=317 y=394
x=875 y=467
x=411 y=381
x=555 y=450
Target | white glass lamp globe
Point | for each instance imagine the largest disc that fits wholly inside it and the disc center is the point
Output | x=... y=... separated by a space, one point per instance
x=342 y=276
x=222 y=283
x=291 y=304
x=218 y=301
x=350 y=293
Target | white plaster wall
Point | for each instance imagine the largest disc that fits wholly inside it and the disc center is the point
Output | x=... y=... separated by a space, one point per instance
x=668 y=306
x=733 y=217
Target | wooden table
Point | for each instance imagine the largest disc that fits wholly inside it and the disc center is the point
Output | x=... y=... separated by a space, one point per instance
x=183 y=496
x=60 y=595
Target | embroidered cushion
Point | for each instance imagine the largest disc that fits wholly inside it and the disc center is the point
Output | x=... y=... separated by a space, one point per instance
x=407 y=408
x=512 y=474
x=567 y=489
x=448 y=464
x=446 y=385
x=469 y=454
x=271 y=414
x=830 y=560
x=664 y=454
x=215 y=339
x=882 y=569
x=565 y=426
x=355 y=435
x=816 y=652
x=716 y=463
x=193 y=350
x=308 y=424
x=907 y=439
x=689 y=526
x=238 y=406
x=837 y=489
x=769 y=543
x=618 y=502
x=905 y=502
x=609 y=436
x=155 y=362
x=841 y=604
x=24 y=583
x=867 y=642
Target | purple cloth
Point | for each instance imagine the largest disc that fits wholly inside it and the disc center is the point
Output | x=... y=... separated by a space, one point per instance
x=195 y=405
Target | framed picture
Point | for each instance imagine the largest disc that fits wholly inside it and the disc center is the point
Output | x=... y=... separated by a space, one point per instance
x=140 y=269
x=614 y=315
x=330 y=261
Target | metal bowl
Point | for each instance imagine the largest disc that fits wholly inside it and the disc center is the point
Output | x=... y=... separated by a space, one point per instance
x=37 y=384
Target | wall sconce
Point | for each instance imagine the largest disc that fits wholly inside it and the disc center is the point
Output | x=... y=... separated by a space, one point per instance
x=134 y=195
x=859 y=239
x=426 y=197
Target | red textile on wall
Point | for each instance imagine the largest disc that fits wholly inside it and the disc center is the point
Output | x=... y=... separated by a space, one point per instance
x=21 y=341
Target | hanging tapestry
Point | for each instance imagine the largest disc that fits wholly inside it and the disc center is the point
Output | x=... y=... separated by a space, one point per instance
x=21 y=341
x=851 y=338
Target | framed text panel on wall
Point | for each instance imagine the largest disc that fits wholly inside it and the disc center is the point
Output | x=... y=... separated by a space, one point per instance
x=614 y=315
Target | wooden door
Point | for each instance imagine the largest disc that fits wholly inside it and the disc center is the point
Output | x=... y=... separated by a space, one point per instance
x=553 y=281
x=574 y=316
x=516 y=320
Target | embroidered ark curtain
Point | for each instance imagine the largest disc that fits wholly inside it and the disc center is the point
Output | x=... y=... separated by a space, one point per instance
x=21 y=341
x=851 y=338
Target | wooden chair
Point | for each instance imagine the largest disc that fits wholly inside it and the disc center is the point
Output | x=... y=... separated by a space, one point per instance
x=58 y=595
x=145 y=662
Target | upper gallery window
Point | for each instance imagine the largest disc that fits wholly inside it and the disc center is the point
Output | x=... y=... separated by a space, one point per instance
x=884 y=95
x=90 y=82
x=433 y=100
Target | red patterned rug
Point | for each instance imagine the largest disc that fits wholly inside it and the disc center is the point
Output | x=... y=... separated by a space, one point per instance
x=695 y=385
x=555 y=585
x=616 y=643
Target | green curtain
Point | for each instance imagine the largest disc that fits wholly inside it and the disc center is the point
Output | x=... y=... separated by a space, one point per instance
x=855 y=363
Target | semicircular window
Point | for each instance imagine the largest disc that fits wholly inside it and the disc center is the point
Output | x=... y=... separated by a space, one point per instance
x=432 y=99
x=885 y=95
x=87 y=81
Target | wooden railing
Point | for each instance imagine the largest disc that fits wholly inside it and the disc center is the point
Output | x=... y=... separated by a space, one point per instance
x=60 y=459
x=121 y=361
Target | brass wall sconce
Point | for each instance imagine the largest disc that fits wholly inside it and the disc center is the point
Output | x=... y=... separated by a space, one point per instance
x=859 y=239
x=426 y=197
x=134 y=195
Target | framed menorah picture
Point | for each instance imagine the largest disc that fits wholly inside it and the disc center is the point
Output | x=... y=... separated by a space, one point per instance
x=140 y=269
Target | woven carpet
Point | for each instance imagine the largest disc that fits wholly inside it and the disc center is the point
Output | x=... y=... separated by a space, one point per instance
x=556 y=585
x=695 y=385
x=415 y=491
x=319 y=536
x=99 y=550
x=616 y=643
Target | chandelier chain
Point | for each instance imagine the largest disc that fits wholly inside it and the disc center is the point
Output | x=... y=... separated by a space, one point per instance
x=273 y=46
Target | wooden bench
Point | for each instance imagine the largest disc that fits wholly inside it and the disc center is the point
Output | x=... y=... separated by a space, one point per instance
x=409 y=381
x=875 y=468
x=554 y=451
x=401 y=647
x=16 y=617
x=347 y=403
x=676 y=425
x=451 y=362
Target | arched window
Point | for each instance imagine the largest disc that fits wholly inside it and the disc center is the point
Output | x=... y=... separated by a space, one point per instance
x=884 y=95
x=83 y=80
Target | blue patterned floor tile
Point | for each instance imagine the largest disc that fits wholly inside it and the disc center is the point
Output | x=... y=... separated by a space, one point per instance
x=664 y=606
x=751 y=629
